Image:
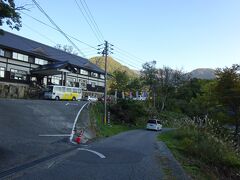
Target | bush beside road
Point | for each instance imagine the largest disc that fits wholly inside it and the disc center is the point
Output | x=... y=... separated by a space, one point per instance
x=201 y=154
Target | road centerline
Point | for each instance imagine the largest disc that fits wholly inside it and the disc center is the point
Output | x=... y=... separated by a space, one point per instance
x=92 y=151
x=75 y=121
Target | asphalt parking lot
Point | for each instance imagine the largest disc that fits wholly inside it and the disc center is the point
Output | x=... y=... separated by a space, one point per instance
x=31 y=129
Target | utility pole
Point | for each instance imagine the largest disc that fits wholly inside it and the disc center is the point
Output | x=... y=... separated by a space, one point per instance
x=105 y=52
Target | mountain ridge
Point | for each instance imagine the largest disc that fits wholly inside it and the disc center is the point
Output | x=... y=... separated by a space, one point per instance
x=113 y=65
x=203 y=73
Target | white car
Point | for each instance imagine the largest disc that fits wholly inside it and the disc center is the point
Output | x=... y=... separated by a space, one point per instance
x=154 y=124
x=140 y=98
x=90 y=98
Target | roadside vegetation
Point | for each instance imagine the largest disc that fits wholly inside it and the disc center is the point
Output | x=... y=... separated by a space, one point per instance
x=206 y=151
x=203 y=112
x=124 y=116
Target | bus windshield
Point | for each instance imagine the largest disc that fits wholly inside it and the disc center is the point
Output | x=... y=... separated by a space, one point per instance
x=49 y=89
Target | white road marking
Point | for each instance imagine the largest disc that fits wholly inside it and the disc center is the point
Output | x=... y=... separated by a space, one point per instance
x=72 y=104
x=95 y=152
x=51 y=164
x=53 y=135
x=75 y=121
x=85 y=145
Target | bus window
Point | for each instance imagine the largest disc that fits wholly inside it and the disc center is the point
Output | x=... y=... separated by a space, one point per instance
x=75 y=90
x=79 y=91
x=63 y=89
x=69 y=89
x=57 y=88
x=49 y=89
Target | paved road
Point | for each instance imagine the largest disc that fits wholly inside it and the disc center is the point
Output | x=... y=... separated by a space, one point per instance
x=21 y=123
x=130 y=155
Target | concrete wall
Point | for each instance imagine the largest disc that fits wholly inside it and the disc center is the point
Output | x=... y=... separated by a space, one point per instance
x=13 y=90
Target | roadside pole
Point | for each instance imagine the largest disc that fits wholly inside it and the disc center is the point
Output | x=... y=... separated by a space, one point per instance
x=105 y=82
x=106 y=51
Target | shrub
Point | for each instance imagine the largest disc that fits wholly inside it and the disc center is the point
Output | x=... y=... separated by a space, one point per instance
x=130 y=112
x=200 y=145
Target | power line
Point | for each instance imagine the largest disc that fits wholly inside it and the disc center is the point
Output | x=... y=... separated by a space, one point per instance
x=128 y=61
x=94 y=22
x=128 y=57
x=59 y=29
x=39 y=33
x=129 y=54
x=124 y=62
x=86 y=19
x=92 y=54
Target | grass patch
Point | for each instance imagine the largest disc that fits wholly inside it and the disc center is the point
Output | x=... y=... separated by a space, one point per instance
x=113 y=129
x=201 y=155
x=102 y=130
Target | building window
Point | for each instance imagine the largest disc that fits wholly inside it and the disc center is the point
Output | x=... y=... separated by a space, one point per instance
x=102 y=76
x=33 y=79
x=40 y=61
x=8 y=54
x=20 y=56
x=1 y=52
x=18 y=74
x=2 y=72
x=30 y=59
x=83 y=84
x=93 y=84
x=94 y=74
x=84 y=72
x=56 y=80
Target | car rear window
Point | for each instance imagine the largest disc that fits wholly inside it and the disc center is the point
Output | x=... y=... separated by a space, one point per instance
x=152 y=121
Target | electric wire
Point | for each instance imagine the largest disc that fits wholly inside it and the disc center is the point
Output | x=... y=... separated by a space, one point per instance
x=90 y=46
x=59 y=29
x=128 y=57
x=116 y=58
x=126 y=61
x=42 y=35
x=94 y=22
x=86 y=19
x=131 y=55
x=121 y=51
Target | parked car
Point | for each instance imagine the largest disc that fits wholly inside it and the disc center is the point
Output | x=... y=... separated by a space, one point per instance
x=90 y=98
x=101 y=99
x=154 y=124
x=140 y=98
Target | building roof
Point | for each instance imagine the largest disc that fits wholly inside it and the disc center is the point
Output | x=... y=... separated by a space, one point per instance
x=28 y=46
x=53 y=69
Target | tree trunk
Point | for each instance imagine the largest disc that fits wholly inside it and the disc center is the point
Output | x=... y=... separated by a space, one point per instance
x=236 y=126
x=163 y=103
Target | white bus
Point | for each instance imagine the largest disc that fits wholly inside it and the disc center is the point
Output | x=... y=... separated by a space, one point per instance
x=63 y=93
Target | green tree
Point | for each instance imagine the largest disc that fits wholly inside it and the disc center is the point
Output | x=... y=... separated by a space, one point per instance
x=10 y=15
x=135 y=85
x=205 y=102
x=168 y=82
x=119 y=81
x=149 y=77
x=228 y=91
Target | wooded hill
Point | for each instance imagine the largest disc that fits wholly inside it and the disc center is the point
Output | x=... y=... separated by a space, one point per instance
x=203 y=73
x=113 y=65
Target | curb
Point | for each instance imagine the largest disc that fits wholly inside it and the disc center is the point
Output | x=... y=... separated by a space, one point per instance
x=169 y=163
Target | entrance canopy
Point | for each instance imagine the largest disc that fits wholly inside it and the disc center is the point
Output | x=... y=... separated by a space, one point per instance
x=54 y=69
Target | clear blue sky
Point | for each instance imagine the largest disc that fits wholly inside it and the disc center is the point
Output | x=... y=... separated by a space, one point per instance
x=183 y=34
